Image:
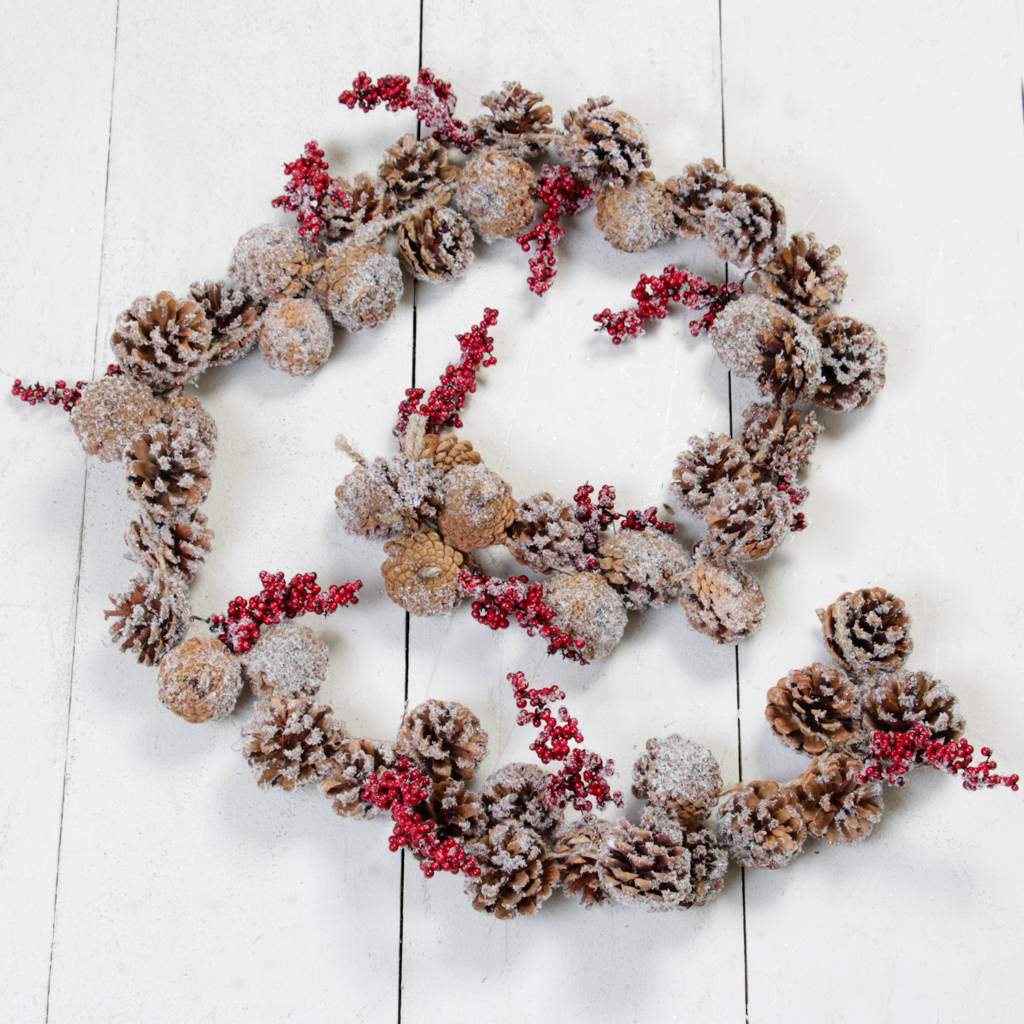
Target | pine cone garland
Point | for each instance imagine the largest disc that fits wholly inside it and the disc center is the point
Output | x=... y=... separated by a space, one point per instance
x=804 y=276
x=835 y=805
x=517 y=871
x=359 y=284
x=708 y=462
x=867 y=630
x=744 y=226
x=168 y=471
x=163 y=343
x=545 y=534
x=760 y=825
x=200 y=680
x=678 y=778
x=693 y=192
x=636 y=217
x=291 y=741
x=516 y=124
x=746 y=520
x=780 y=440
x=603 y=145
x=723 y=601
x=588 y=609
x=496 y=192
x=287 y=659
x=370 y=203
x=350 y=769
x=518 y=792
x=446 y=451
x=272 y=262
x=647 y=866
x=436 y=244
x=150 y=618
x=646 y=567
x=897 y=701
x=852 y=363
x=295 y=336
x=578 y=849
x=814 y=709
x=444 y=738
x=387 y=497
x=178 y=545
x=421 y=573
x=111 y=412
x=478 y=507
x=234 y=319
x=418 y=171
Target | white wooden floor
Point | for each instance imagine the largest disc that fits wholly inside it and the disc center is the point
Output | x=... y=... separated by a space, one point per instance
x=143 y=876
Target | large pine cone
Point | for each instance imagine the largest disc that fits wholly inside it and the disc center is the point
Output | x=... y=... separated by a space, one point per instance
x=273 y=262
x=647 y=866
x=436 y=244
x=291 y=741
x=814 y=709
x=746 y=520
x=518 y=792
x=578 y=849
x=200 y=680
x=516 y=124
x=588 y=609
x=761 y=826
x=679 y=778
x=835 y=805
x=152 y=617
x=604 y=145
x=517 y=871
x=179 y=545
x=421 y=573
x=780 y=440
x=646 y=567
x=804 y=276
x=724 y=601
x=744 y=226
x=708 y=461
x=456 y=812
x=637 y=217
x=350 y=769
x=693 y=192
x=852 y=363
x=111 y=412
x=388 y=497
x=545 y=534
x=867 y=630
x=478 y=508
x=444 y=738
x=168 y=471
x=369 y=203
x=418 y=171
x=898 y=701
x=162 y=342
x=234 y=318
x=496 y=192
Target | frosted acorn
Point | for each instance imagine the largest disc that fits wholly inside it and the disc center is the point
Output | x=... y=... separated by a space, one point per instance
x=295 y=336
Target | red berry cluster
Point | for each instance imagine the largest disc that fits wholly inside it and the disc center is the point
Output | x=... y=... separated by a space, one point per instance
x=596 y=517
x=495 y=600
x=240 y=628
x=61 y=393
x=447 y=399
x=653 y=294
x=797 y=495
x=563 y=194
x=399 y=790
x=893 y=754
x=310 y=185
x=582 y=779
x=432 y=99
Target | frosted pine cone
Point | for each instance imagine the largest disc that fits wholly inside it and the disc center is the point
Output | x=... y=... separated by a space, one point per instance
x=578 y=849
x=183 y=413
x=496 y=192
x=162 y=342
x=234 y=319
x=287 y=659
x=421 y=574
x=804 y=276
x=517 y=871
x=647 y=866
x=200 y=680
x=444 y=738
x=646 y=567
x=852 y=363
x=898 y=701
x=295 y=336
x=386 y=497
x=446 y=451
x=746 y=520
x=359 y=285
x=350 y=769
x=867 y=630
x=693 y=192
x=637 y=217
x=744 y=226
x=708 y=461
x=456 y=812
x=603 y=145
x=760 y=825
x=516 y=124
x=588 y=609
x=178 y=545
x=369 y=204
x=708 y=860
x=835 y=805
x=545 y=534
x=814 y=709
x=110 y=413
x=291 y=741
x=724 y=601
x=436 y=244
x=150 y=618
x=168 y=471
x=272 y=262
x=418 y=171
x=679 y=778
x=478 y=508
x=518 y=792
x=781 y=440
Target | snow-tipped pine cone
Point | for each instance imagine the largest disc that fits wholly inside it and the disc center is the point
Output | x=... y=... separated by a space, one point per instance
x=588 y=609
x=518 y=792
x=436 y=244
x=200 y=680
x=417 y=171
x=804 y=276
x=897 y=701
x=637 y=217
x=152 y=617
x=760 y=825
x=837 y=806
x=273 y=262
x=852 y=363
x=350 y=769
x=421 y=573
x=780 y=440
x=388 y=497
x=168 y=471
x=746 y=520
x=517 y=871
x=648 y=866
x=111 y=412
x=444 y=738
x=647 y=567
x=722 y=601
x=693 y=191
x=178 y=545
x=867 y=630
x=815 y=709
x=496 y=192
x=745 y=226
x=679 y=778
x=545 y=534
x=234 y=318
x=477 y=508
x=517 y=123
x=578 y=848
x=369 y=204
x=603 y=145
x=287 y=659
x=709 y=461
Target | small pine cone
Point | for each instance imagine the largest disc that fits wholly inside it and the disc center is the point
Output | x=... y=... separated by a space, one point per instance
x=836 y=806
x=724 y=601
x=746 y=520
x=603 y=145
x=709 y=861
x=179 y=545
x=292 y=741
x=110 y=413
x=693 y=192
x=162 y=342
x=780 y=440
x=350 y=769
x=679 y=778
x=545 y=534
x=272 y=262
x=234 y=318
x=852 y=363
x=760 y=825
x=478 y=508
x=814 y=709
x=436 y=244
x=446 y=451
x=496 y=192
x=418 y=171
x=646 y=567
x=457 y=813
x=744 y=226
x=295 y=336
x=898 y=701
x=360 y=284
x=421 y=573
x=578 y=848
x=186 y=413
x=804 y=276
x=168 y=471
x=518 y=792
x=444 y=738
x=517 y=871
x=867 y=630
x=388 y=497
x=647 y=866
x=588 y=609
x=200 y=680
x=763 y=341
x=369 y=203
x=516 y=124
x=287 y=659
x=637 y=217
x=708 y=462
x=150 y=618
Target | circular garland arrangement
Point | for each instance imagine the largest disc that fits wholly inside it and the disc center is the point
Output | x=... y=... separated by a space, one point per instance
x=864 y=720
